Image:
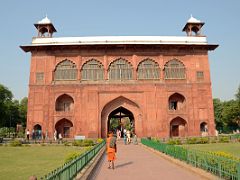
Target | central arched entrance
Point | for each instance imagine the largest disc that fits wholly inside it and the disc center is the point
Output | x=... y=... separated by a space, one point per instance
x=121 y=118
x=121 y=112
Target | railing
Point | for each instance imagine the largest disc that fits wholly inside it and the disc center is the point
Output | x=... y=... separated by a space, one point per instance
x=71 y=169
x=220 y=166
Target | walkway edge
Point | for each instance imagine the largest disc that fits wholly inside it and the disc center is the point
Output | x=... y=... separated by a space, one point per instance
x=87 y=171
x=204 y=174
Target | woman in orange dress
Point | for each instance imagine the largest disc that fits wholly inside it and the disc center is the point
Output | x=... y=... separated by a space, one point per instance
x=111 y=150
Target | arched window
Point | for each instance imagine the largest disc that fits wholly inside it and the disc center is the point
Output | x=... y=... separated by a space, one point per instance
x=64 y=103
x=120 y=70
x=92 y=70
x=176 y=102
x=65 y=70
x=148 y=69
x=174 y=69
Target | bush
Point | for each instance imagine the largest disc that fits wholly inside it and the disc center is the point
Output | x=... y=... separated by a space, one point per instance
x=203 y=140
x=70 y=157
x=15 y=143
x=83 y=143
x=99 y=140
x=224 y=139
x=66 y=143
x=191 y=140
x=174 y=142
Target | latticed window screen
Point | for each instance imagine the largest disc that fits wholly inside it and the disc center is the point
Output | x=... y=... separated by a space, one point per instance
x=120 y=70
x=200 y=75
x=148 y=69
x=39 y=77
x=174 y=69
x=65 y=70
x=92 y=70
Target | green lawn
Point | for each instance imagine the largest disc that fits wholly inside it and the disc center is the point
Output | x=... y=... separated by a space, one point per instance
x=22 y=162
x=232 y=148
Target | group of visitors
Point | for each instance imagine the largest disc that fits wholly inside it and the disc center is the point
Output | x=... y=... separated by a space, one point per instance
x=38 y=135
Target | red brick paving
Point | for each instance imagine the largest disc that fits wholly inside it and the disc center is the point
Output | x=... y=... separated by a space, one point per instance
x=135 y=162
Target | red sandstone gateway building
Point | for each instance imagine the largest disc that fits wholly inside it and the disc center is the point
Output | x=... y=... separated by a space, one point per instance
x=161 y=83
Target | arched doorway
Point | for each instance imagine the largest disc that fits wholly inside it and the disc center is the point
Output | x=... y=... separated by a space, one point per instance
x=121 y=118
x=203 y=129
x=64 y=126
x=125 y=107
x=37 y=131
x=178 y=127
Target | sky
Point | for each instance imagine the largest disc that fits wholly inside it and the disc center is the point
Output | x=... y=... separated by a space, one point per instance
x=115 y=18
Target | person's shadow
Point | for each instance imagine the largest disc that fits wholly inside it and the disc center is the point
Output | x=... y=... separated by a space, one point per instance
x=124 y=164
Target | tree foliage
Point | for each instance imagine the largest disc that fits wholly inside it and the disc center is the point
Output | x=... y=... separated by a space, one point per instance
x=11 y=111
x=227 y=113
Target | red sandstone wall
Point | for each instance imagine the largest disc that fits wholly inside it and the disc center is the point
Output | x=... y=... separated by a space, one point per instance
x=147 y=100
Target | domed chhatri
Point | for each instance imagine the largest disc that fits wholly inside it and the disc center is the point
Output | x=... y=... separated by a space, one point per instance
x=45 y=21
x=193 y=20
x=45 y=28
x=193 y=25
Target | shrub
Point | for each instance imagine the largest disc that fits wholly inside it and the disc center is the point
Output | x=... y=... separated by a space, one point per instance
x=224 y=139
x=203 y=140
x=70 y=157
x=15 y=143
x=83 y=143
x=171 y=142
x=191 y=140
x=66 y=143
x=99 y=140
x=174 y=142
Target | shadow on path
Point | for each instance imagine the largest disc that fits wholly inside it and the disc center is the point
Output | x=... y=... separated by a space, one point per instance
x=124 y=164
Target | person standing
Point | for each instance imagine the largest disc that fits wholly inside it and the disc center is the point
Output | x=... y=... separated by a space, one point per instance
x=55 y=135
x=125 y=136
x=111 y=150
x=128 y=137
x=60 y=137
x=28 y=134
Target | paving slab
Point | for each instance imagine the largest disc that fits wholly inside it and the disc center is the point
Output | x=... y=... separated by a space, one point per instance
x=136 y=162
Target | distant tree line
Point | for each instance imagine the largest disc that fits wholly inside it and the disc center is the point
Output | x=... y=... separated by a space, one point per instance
x=12 y=111
x=227 y=114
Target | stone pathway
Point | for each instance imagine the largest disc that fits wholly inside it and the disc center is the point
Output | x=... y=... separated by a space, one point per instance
x=136 y=162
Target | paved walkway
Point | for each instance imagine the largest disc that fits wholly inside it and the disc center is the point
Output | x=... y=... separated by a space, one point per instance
x=136 y=162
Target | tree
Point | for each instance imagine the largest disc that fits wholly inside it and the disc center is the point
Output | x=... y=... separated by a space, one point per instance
x=218 y=108
x=5 y=101
x=23 y=111
x=237 y=95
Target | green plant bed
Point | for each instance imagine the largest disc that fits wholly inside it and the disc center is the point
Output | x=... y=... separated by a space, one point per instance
x=22 y=162
x=231 y=148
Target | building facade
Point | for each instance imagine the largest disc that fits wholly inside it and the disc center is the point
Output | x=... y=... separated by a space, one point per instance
x=160 y=83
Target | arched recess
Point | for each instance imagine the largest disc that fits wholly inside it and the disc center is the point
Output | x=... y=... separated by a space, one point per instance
x=148 y=69
x=64 y=126
x=64 y=103
x=174 y=69
x=37 y=127
x=92 y=70
x=204 y=129
x=121 y=118
x=65 y=70
x=176 y=102
x=37 y=131
x=120 y=69
x=121 y=102
x=178 y=127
